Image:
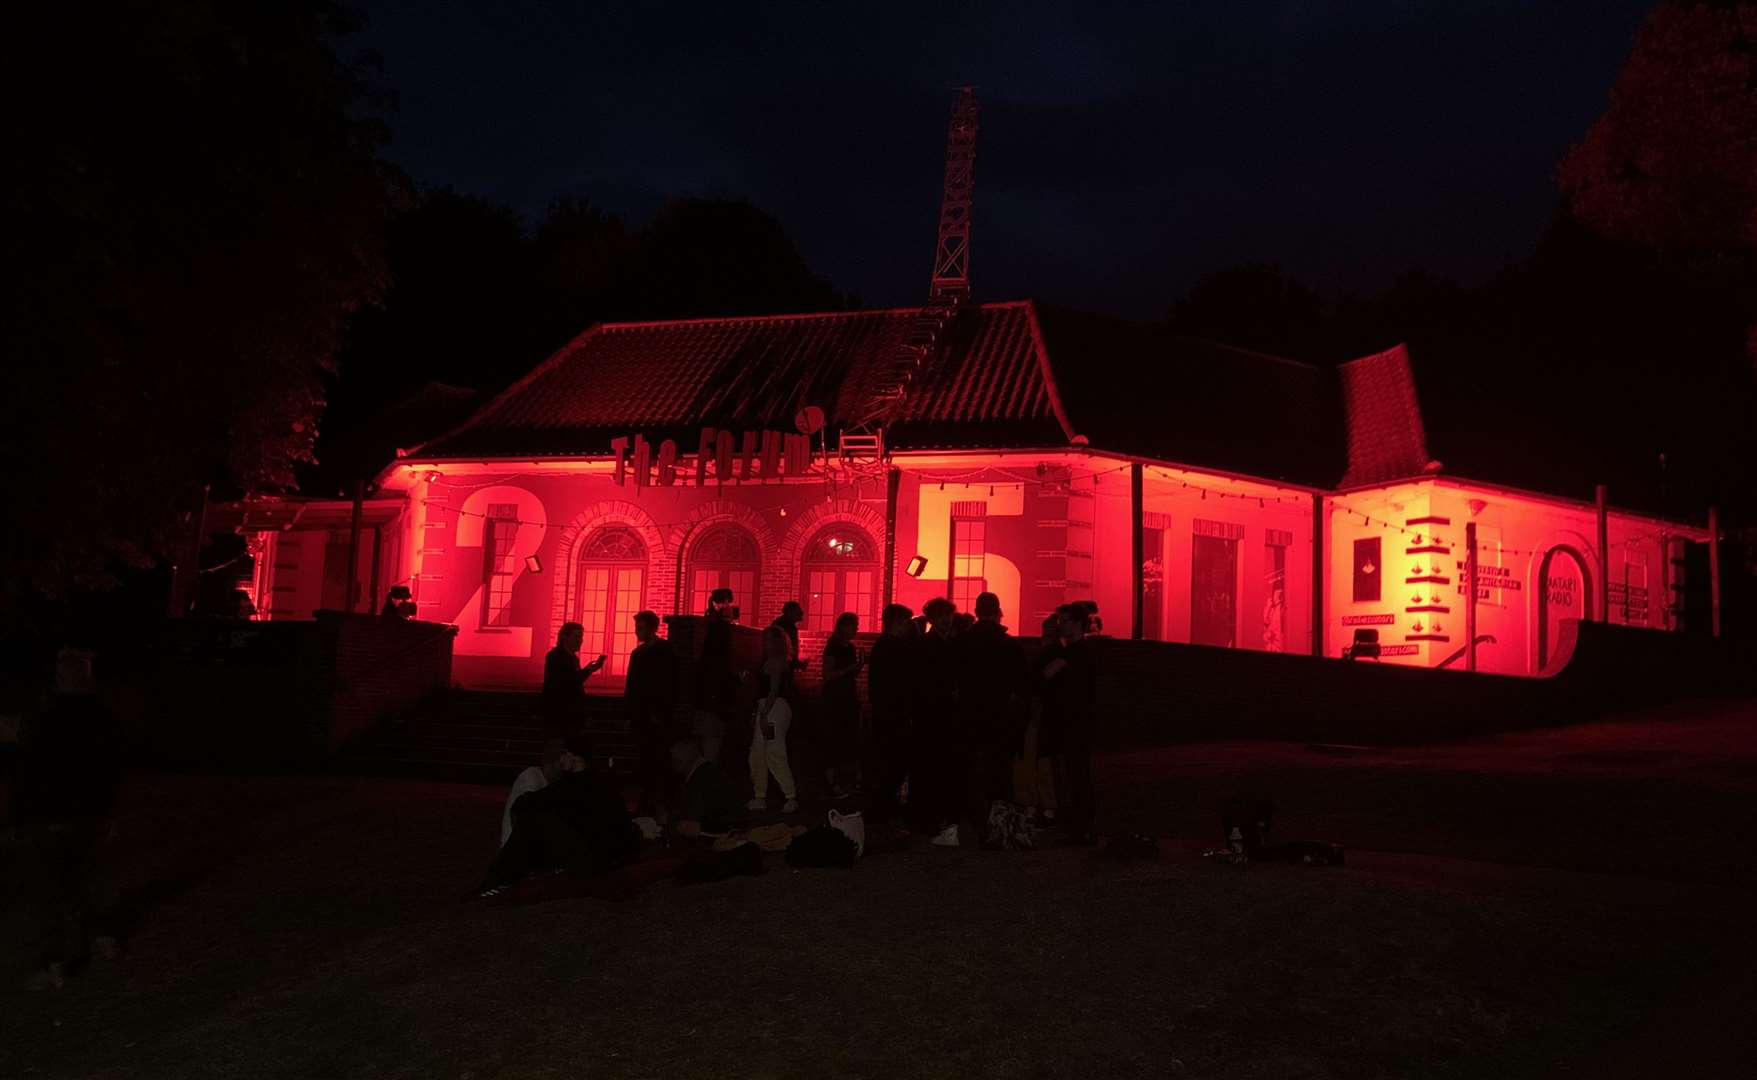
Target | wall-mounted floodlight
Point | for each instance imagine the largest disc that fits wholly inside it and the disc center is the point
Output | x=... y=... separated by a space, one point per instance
x=533 y=564
x=917 y=566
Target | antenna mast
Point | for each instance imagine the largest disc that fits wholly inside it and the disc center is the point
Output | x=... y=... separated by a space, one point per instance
x=951 y=261
x=947 y=292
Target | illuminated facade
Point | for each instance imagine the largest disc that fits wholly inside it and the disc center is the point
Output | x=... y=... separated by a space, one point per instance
x=1199 y=494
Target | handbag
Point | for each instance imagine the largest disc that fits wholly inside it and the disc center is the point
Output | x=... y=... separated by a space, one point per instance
x=853 y=826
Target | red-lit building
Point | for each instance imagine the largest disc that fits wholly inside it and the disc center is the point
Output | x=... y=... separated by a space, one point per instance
x=1198 y=493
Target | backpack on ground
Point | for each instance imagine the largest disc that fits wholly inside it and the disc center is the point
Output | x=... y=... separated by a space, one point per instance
x=1009 y=828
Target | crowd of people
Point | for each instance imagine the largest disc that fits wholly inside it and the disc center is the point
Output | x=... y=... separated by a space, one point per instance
x=960 y=720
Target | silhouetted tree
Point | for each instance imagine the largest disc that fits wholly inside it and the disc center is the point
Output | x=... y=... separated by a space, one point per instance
x=1253 y=306
x=702 y=257
x=193 y=210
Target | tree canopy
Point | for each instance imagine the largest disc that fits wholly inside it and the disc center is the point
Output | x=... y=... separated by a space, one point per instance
x=189 y=233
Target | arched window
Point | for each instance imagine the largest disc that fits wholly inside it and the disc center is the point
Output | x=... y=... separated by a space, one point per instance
x=725 y=557
x=841 y=569
x=612 y=587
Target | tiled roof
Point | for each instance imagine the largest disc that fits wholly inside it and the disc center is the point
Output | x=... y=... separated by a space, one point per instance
x=668 y=379
x=1386 y=438
x=1010 y=375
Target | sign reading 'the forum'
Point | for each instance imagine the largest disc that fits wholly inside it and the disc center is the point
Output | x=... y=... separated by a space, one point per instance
x=747 y=455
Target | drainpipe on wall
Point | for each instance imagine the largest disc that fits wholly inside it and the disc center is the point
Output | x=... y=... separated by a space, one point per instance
x=1470 y=596
x=1317 y=575
x=1714 y=570
x=1601 y=497
x=893 y=482
x=1137 y=547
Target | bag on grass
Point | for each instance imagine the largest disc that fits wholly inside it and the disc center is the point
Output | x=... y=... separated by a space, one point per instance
x=1009 y=828
x=853 y=826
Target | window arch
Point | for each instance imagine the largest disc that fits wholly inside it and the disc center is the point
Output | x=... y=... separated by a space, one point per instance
x=725 y=556
x=840 y=573
x=612 y=587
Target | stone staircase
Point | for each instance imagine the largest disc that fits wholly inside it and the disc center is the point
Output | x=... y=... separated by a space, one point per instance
x=481 y=737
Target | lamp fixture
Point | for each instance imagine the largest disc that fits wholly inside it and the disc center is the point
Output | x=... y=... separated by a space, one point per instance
x=917 y=566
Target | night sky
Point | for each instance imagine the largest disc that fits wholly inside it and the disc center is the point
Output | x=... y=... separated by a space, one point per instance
x=1125 y=149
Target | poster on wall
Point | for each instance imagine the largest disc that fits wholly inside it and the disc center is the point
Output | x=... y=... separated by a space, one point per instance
x=1367 y=571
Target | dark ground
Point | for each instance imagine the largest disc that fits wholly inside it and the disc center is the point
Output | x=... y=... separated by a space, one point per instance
x=1573 y=902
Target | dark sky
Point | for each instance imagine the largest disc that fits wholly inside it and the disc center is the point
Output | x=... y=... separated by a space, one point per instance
x=1125 y=149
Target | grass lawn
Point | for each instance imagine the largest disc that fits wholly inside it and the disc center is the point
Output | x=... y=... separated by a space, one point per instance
x=1572 y=902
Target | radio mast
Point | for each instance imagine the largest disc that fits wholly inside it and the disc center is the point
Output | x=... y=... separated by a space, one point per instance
x=948 y=289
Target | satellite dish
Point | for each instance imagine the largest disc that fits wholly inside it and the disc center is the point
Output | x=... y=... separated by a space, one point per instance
x=810 y=420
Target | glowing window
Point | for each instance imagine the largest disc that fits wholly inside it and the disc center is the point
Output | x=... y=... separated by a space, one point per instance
x=840 y=574
x=612 y=583
x=498 y=572
x=726 y=557
x=969 y=546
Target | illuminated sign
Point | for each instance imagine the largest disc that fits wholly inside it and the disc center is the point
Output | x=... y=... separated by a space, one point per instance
x=1368 y=620
x=1399 y=650
x=1489 y=577
x=733 y=455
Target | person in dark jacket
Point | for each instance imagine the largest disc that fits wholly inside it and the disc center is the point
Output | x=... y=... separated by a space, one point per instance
x=890 y=688
x=650 y=697
x=716 y=683
x=1033 y=763
x=563 y=703
x=991 y=703
x=578 y=823
x=69 y=772
x=841 y=708
x=942 y=741
x=1071 y=689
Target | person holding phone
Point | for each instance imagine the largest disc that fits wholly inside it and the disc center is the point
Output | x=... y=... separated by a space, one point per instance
x=563 y=703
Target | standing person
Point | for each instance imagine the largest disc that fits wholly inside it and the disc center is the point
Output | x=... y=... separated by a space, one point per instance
x=841 y=706
x=716 y=688
x=1072 y=688
x=773 y=716
x=535 y=778
x=991 y=692
x=890 y=687
x=563 y=703
x=651 y=699
x=792 y=614
x=69 y=773
x=941 y=764
x=1033 y=766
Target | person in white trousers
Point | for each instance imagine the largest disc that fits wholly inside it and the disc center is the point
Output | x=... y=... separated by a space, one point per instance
x=768 y=740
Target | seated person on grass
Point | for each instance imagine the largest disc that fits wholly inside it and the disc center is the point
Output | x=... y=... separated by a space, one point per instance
x=577 y=823
x=710 y=805
x=535 y=778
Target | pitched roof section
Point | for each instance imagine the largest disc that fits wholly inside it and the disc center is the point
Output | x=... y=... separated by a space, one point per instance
x=1008 y=375
x=1386 y=438
x=987 y=387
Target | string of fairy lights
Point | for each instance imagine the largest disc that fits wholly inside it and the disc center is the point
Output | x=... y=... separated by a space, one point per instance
x=995 y=478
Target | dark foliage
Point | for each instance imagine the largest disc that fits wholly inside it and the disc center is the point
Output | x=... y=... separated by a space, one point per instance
x=194 y=211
